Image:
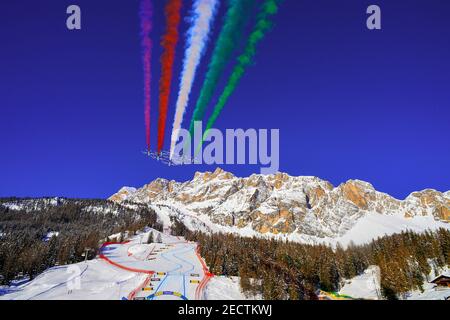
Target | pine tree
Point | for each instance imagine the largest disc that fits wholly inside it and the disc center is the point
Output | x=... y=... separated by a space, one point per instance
x=150 y=238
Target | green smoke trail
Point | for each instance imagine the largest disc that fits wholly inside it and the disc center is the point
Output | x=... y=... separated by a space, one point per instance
x=263 y=25
x=229 y=36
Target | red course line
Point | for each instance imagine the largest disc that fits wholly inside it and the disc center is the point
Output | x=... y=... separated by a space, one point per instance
x=102 y=256
x=206 y=278
x=139 y=288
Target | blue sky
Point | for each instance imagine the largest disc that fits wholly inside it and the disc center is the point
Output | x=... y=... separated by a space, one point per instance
x=350 y=103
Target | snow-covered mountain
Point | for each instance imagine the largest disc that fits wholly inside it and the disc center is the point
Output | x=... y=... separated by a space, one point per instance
x=298 y=208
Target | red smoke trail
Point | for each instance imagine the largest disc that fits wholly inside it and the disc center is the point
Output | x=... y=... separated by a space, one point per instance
x=146 y=13
x=169 y=43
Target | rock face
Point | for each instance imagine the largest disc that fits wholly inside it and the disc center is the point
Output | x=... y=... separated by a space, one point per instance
x=122 y=194
x=281 y=204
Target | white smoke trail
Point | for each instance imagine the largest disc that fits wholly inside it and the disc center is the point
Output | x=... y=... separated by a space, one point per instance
x=202 y=18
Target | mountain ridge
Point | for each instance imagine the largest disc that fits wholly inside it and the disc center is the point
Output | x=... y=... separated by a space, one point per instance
x=280 y=204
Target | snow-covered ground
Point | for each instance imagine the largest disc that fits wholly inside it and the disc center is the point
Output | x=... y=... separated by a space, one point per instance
x=226 y=288
x=375 y=225
x=430 y=290
x=93 y=280
x=367 y=286
x=364 y=286
x=134 y=270
x=366 y=229
x=168 y=270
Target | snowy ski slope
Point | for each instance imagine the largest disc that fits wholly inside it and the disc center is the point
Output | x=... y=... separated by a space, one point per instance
x=133 y=270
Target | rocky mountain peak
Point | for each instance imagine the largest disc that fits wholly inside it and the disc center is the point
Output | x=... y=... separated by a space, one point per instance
x=283 y=204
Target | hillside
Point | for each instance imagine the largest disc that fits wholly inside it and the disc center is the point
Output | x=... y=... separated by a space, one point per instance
x=303 y=209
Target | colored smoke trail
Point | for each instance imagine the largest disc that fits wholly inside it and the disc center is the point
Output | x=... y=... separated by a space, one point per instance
x=169 y=42
x=228 y=38
x=263 y=25
x=202 y=18
x=146 y=14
